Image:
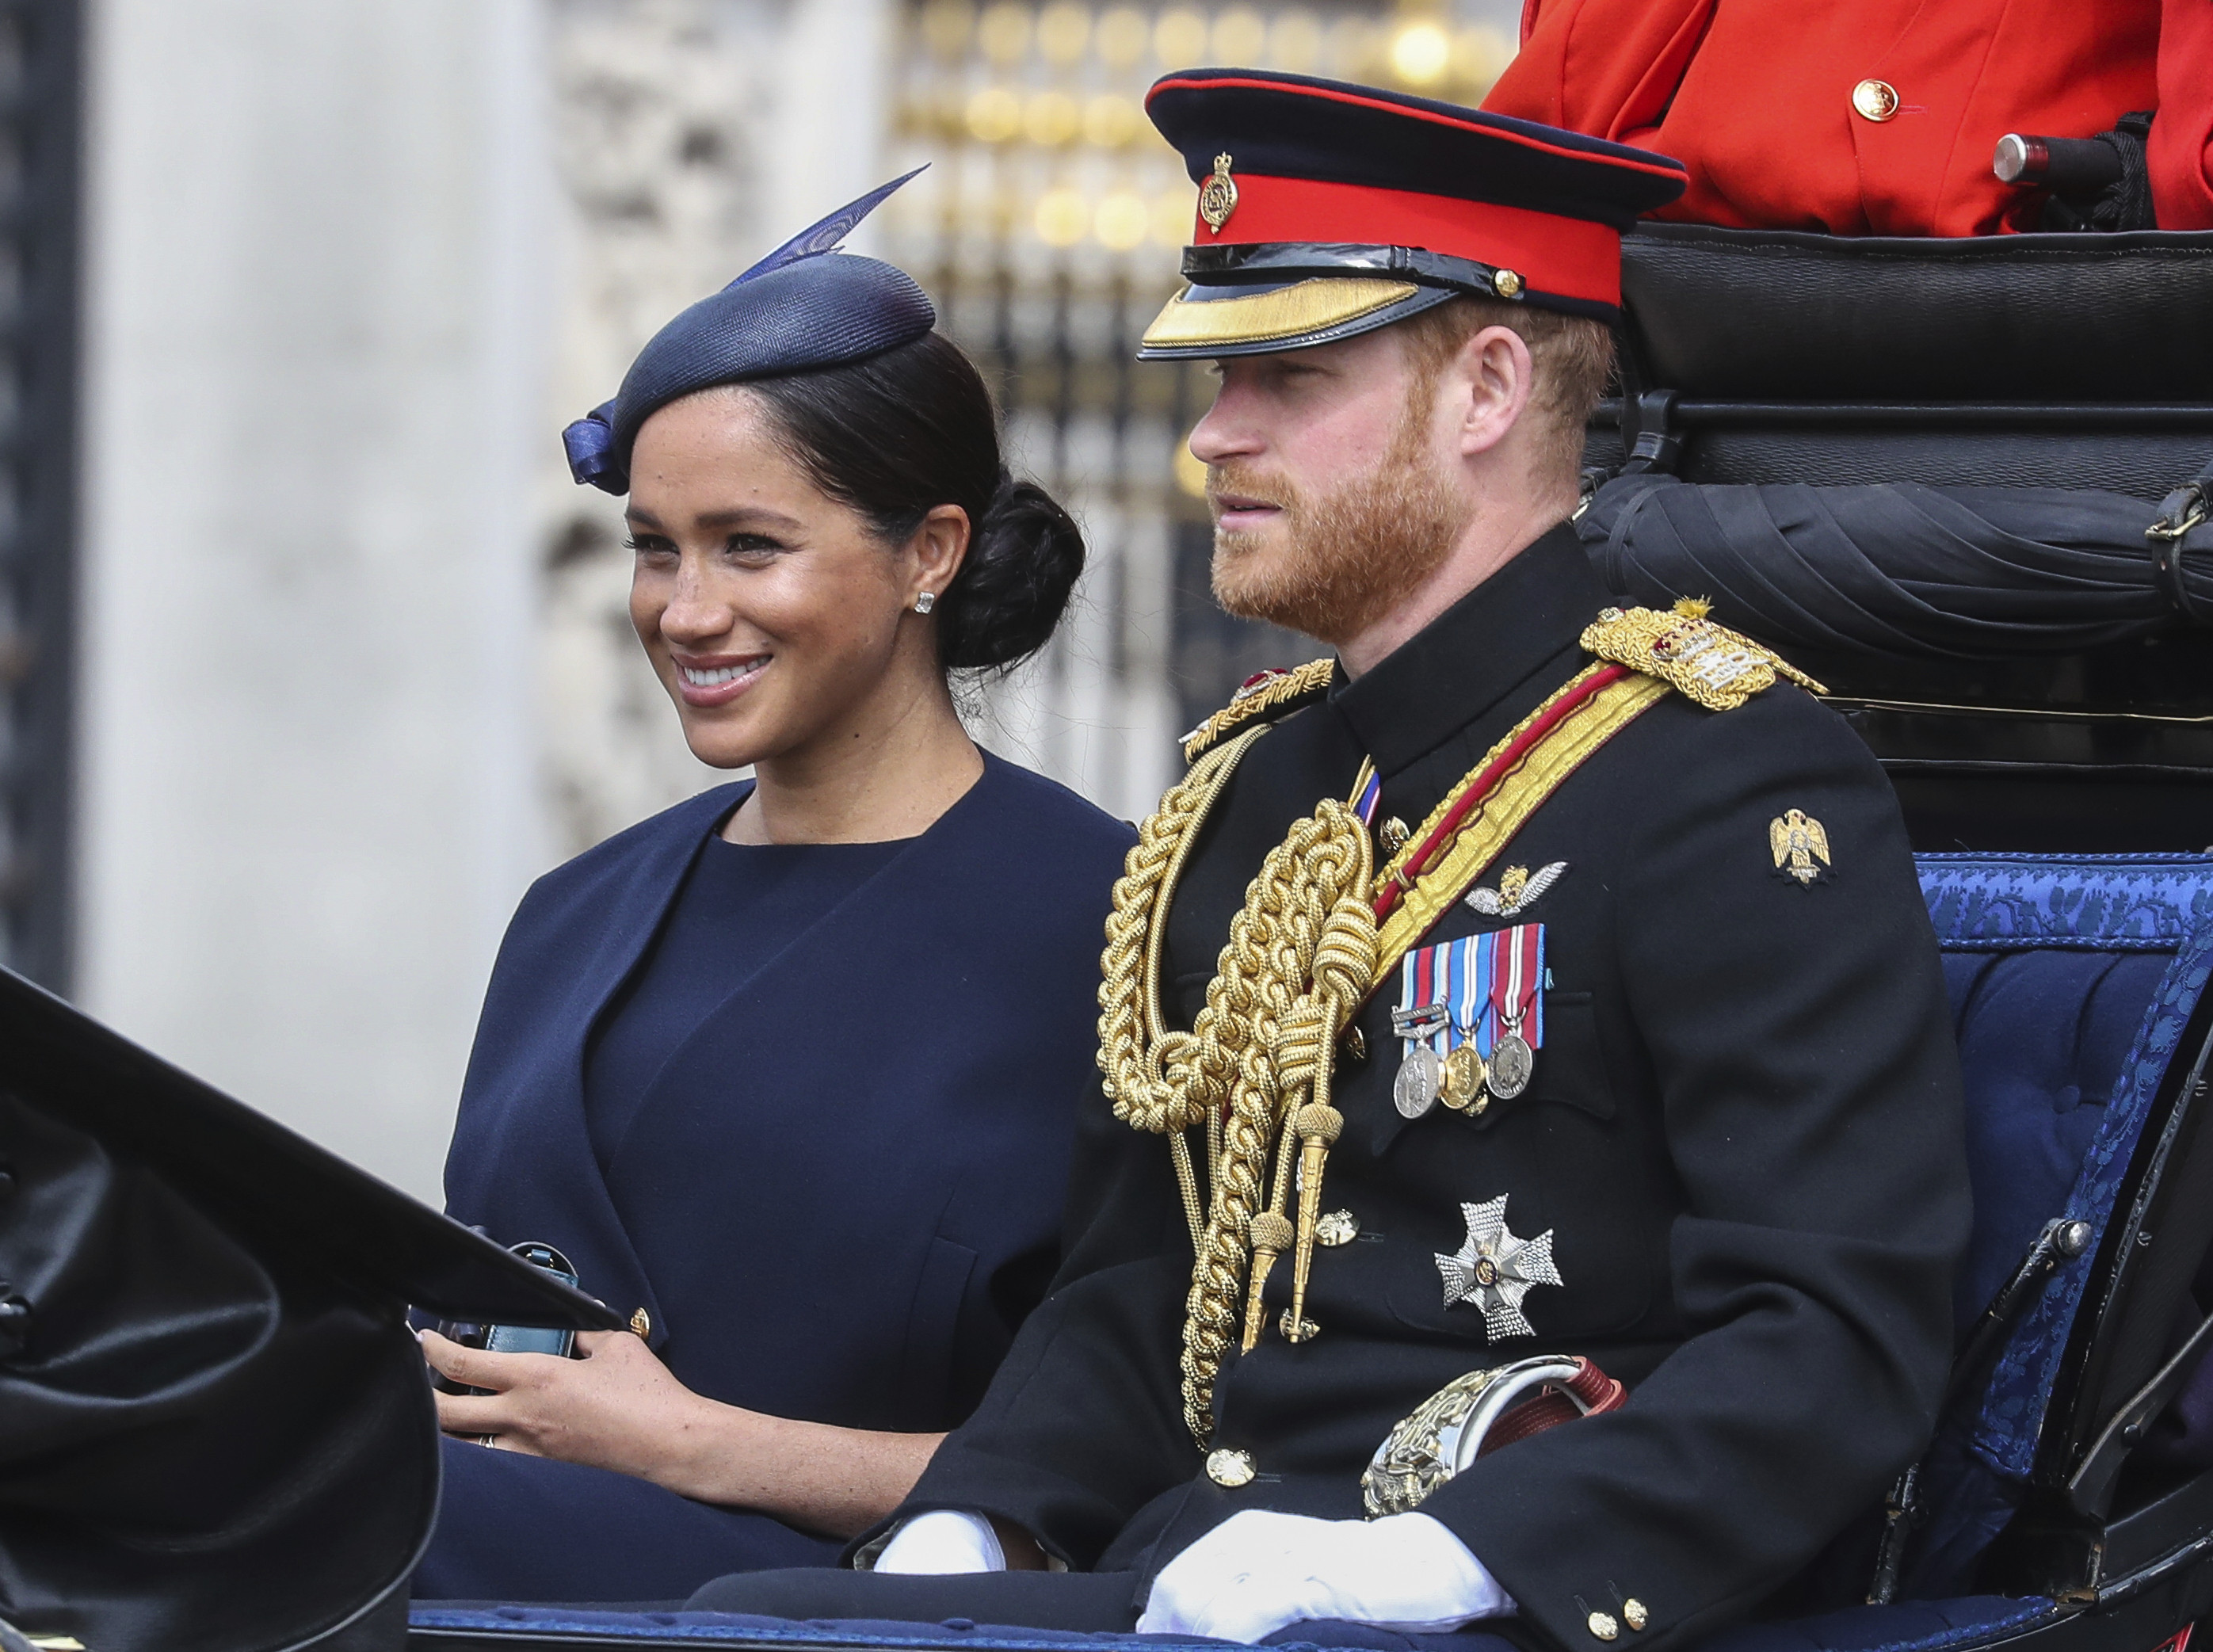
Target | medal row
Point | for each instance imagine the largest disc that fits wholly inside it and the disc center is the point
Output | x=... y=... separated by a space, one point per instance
x=1470 y=1016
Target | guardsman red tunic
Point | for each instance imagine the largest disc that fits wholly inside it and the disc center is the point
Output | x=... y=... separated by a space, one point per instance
x=1874 y=117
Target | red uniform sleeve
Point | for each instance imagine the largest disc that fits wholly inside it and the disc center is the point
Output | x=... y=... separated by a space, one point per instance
x=1605 y=67
x=2180 y=157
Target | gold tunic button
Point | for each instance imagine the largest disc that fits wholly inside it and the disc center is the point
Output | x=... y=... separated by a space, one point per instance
x=641 y=1323
x=1602 y=1625
x=1228 y=1466
x=1392 y=834
x=1877 y=100
x=1634 y=1614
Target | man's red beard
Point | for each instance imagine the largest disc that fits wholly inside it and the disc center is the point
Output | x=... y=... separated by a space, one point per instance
x=1344 y=559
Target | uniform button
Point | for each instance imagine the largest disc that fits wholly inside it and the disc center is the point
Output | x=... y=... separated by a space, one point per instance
x=1602 y=1625
x=1634 y=1614
x=1877 y=100
x=641 y=1323
x=1230 y=1467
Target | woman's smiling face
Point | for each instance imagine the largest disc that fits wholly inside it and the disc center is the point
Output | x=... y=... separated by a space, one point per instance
x=772 y=613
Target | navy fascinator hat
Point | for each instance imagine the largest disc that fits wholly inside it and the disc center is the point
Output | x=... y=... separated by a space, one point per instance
x=805 y=306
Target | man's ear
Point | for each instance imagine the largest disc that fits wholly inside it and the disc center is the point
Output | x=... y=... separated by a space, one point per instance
x=1494 y=375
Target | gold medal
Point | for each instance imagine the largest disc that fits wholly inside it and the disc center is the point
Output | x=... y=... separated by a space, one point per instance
x=1462 y=1086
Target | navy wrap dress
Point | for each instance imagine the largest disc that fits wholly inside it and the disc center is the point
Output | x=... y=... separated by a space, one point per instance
x=807 y=1109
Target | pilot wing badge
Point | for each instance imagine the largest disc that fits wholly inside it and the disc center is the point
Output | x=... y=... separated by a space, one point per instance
x=1800 y=846
x=1518 y=887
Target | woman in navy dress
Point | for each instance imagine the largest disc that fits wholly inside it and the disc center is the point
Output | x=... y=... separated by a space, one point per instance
x=788 y=1071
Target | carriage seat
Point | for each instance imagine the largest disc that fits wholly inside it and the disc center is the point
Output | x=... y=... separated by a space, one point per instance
x=2077 y=988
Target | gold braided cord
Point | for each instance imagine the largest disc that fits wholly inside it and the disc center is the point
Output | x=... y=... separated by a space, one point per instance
x=1486 y=832
x=1297 y=966
x=1148 y=1072
x=1278 y=689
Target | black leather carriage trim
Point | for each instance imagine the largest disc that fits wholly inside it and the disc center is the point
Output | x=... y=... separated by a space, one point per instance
x=1754 y=315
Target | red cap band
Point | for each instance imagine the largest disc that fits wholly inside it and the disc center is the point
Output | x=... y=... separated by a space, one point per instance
x=1572 y=258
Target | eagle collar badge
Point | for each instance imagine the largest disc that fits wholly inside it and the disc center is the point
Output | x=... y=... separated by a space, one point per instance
x=1800 y=847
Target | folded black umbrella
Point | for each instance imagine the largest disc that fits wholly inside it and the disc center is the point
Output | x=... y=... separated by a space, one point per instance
x=1900 y=570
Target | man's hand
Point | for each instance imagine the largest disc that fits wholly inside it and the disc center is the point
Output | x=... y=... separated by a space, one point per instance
x=1260 y=1570
x=617 y=1407
x=945 y=1540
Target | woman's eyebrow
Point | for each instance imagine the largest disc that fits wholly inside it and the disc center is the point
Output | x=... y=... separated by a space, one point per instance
x=736 y=516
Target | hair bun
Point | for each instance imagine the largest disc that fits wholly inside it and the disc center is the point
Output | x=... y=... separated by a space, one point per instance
x=1024 y=557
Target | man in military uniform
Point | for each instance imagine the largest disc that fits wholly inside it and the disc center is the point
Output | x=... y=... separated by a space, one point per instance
x=1534 y=1002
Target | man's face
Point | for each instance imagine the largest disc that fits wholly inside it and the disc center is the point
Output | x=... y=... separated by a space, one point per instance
x=1329 y=480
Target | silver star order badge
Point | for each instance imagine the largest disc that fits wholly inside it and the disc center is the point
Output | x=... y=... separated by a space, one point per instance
x=1495 y=1270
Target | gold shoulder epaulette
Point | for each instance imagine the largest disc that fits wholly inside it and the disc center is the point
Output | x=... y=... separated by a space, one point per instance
x=1707 y=661
x=1270 y=694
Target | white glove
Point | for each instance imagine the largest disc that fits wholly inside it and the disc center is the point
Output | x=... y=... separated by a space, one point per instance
x=1260 y=1570
x=944 y=1541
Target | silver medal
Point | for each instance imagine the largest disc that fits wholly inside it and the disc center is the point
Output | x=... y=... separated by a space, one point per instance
x=1511 y=1060
x=1414 y=1092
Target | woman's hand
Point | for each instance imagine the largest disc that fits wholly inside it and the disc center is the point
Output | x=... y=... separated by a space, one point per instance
x=618 y=1407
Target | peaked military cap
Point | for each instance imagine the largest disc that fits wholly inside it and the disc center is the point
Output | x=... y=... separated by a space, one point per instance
x=216 y=1430
x=1327 y=210
x=805 y=306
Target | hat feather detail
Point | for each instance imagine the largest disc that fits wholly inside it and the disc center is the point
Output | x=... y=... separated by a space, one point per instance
x=826 y=236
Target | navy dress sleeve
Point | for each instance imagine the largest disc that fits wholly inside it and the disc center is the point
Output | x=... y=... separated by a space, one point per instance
x=806 y=1112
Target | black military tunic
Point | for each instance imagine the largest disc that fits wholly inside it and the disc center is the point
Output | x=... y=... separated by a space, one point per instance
x=1743 y=1133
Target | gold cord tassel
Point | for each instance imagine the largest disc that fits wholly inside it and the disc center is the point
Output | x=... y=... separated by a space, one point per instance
x=1271 y=1237
x=1319 y=1126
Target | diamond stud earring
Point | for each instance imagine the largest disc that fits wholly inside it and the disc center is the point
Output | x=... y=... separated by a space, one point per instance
x=925 y=601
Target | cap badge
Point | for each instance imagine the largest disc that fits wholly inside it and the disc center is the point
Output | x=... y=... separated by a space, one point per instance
x=1218 y=195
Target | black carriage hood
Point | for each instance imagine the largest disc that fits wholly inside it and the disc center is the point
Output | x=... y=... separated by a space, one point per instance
x=215 y=1429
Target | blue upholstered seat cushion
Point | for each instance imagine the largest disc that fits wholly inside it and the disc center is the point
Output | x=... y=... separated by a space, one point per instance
x=2044 y=1036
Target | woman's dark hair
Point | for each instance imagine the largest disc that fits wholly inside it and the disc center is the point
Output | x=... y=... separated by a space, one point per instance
x=899 y=434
